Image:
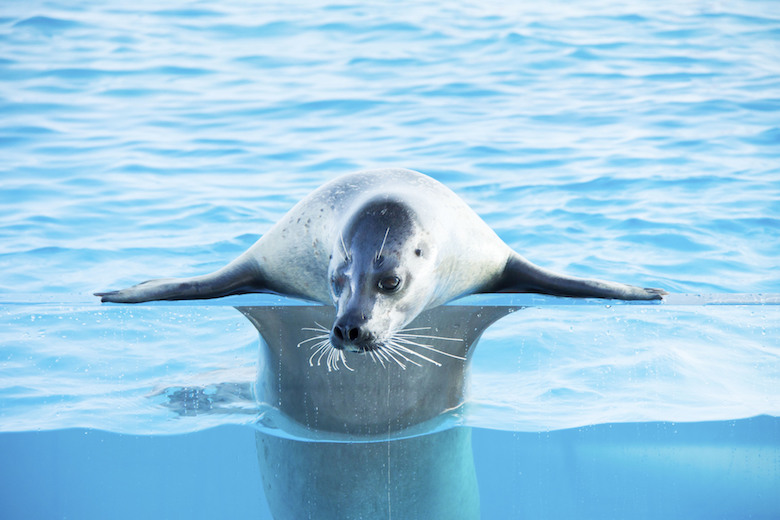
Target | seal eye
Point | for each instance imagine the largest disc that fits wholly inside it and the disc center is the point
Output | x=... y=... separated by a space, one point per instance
x=389 y=283
x=338 y=284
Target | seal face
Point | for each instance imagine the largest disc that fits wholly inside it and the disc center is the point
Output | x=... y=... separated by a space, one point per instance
x=378 y=274
x=381 y=246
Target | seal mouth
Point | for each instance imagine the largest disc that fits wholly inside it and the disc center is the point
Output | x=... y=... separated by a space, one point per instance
x=402 y=348
x=323 y=350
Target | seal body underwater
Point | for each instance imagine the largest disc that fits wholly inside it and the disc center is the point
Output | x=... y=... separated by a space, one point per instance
x=381 y=246
x=379 y=443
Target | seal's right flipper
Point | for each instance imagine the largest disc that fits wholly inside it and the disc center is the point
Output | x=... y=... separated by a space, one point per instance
x=235 y=278
x=164 y=289
x=520 y=275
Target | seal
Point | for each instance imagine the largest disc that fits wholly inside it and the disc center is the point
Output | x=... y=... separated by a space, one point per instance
x=380 y=246
x=383 y=250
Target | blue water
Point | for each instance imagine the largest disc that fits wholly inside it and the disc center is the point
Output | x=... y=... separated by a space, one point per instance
x=631 y=141
x=652 y=470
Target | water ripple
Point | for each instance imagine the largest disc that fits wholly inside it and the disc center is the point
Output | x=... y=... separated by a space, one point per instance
x=47 y=24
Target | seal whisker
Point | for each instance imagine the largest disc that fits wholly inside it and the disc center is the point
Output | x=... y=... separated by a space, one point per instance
x=321 y=337
x=312 y=329
x=324 y=336
x=385 y=353
x=333 y=359
x=319 y=348
x=407 y=341
x=321 y=344
x=401 y=348
x=319 y=329
x=413 y=329
x=402 y=335
x=382 y=247
x=347 y=257
x=343 y=359
x=390 y=354
x=375 y=357
x=325 y=349
x=381 y=356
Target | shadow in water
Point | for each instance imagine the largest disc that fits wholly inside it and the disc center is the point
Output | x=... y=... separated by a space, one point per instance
x=374 y=462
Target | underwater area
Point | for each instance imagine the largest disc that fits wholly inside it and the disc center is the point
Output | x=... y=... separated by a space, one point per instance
x=617 y=140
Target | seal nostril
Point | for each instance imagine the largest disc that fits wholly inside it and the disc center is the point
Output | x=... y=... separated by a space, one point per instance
x=353 y=334
x=337 y=332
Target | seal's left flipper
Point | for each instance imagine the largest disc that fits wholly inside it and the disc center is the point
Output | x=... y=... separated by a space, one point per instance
x=522 y=276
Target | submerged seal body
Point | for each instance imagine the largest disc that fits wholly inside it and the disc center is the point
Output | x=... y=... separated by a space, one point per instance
x=381 y=246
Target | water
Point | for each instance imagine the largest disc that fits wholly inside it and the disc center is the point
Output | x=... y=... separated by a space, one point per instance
x=618 y=140
x=701 y=471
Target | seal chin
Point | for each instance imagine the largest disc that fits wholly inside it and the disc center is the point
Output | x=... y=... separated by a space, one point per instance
x=353 y=348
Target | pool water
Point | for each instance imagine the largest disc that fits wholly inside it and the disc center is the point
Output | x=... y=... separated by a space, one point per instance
x=619 y=140
x=645 y=470
x=574 y=410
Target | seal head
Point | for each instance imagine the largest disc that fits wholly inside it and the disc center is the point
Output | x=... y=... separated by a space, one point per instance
x=379 y=272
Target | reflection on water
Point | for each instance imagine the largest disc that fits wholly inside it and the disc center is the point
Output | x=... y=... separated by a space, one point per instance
x=367 y=399
x=422 y=477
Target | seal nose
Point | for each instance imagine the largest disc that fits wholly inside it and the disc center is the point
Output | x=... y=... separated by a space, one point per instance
x=346 y=335
x=343 y=333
